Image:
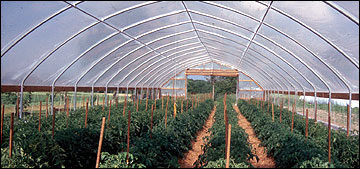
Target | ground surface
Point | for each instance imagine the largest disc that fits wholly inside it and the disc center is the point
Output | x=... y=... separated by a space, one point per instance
x=264 y=160
x=192 y=155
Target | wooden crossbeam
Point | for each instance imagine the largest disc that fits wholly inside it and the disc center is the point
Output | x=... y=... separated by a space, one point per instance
x=212 y=72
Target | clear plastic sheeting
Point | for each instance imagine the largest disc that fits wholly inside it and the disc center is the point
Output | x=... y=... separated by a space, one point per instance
x=282 y=45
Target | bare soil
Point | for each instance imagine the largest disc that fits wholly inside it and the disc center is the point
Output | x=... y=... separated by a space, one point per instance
x=264 y=160
x=192 y=155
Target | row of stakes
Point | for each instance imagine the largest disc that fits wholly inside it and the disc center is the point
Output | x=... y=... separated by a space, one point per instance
x=195 y=103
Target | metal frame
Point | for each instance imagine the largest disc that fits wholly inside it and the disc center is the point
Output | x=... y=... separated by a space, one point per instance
x=254 y=34
x=335 y=71
x=187 y=11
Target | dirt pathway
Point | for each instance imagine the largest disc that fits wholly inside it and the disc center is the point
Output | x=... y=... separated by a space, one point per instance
x=264 y=160
x=192 y=155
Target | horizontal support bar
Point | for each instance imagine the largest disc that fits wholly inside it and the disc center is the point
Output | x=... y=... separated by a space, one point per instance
x=246 y=80
x=8 y=88
x=245 y=90
x=355 y=96
x=173 y=88
x=212 y=72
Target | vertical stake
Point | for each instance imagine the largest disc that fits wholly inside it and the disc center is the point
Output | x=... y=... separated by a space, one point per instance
x=162 y=103
x=117 y=100
x=272 y=110
x=124 y=108
x=53 y=122
x=86 y=113
x=228 y=147
x=174 y=110
x=151 y=122
x=11 y=134
x=103 y=103
x=146 y=104
x=155 y=104
x=137 y=104
x=315 y=111
x=100 y=142
x=2 y=120
x=303 y=107
x=292 y=118
x=167 y=102
x=109 y=114
x=40 y=117
x=128 y=138
x=17 y=106
x=329 y=129
x=47 y=109
x=67 y=111
x=307 y=124
x=281 y=106
x=347 y=121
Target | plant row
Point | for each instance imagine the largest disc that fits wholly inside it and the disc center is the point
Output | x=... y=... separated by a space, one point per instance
x=74 y=145
x=343 y=148
x=214 y=149
x=288 y=149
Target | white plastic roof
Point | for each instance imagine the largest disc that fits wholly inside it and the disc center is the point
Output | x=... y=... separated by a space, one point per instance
x=297 y=45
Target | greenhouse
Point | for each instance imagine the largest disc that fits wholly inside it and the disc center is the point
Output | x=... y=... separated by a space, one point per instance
x=180 y=84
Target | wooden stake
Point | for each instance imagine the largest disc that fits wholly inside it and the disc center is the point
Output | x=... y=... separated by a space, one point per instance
x=146 y=104
x=162 y=103
x=192 y=103
x=109 y=114
x=103 y=104
x=174 y=110
x=124 y=108
x=117 y=100
x=53 y=123
x=2 y=120
x=17 y=107
x=67 y=111
x=226 y=124
x=307 y=124
x=347 y=121
x=137 y=104
x=272 y=109
x=155 y=105
x=40 y=118
x=167 y=102
x=151 y=122
x=292 y=118
x=47 y=109
x=228 y=147
x=128 y=138
x=11 y=134
x=97 y=100
x=86 y=113
x=100 y=142
x=281 y=106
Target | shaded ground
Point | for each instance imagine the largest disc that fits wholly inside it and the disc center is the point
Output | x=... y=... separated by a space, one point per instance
x=264 y=160
x=192 y=155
